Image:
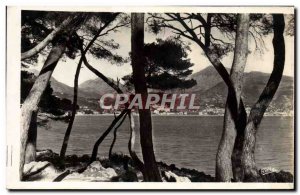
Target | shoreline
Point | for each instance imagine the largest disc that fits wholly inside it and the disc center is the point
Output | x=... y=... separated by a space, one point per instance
x=120 y=168
x=188 y=115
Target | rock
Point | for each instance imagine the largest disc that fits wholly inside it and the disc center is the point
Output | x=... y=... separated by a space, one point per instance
x=172 y=177
x=44 y=153
x=94 y=172
x=33 y=166
x=270 y=177
x=283 y=176
x=40 y=171
x=172 y=167
x=95 y=165
x=202 y=177
x=84 y=158
x=47 y=155
x=128 y=176
x=268 y=170
x=279 y=177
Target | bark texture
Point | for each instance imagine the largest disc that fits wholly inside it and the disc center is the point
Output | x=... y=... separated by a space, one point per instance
x=30 y=106
x=151 y=172
x=137 y=162
x=31 y=145
x=259 y=108
x=224 y=153
x=236 y=157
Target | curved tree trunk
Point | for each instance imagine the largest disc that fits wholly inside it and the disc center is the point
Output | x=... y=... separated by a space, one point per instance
x=259 y=108
x=224 y=153
x=114 y=86
x=132 y=153
x=47 y=40
x=102 y=137
x=138 y=72
x=30 y=106
x=74 y=106
x=212 y=57
x=115 y=137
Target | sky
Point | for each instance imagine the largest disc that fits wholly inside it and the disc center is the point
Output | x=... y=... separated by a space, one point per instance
x=65 y=70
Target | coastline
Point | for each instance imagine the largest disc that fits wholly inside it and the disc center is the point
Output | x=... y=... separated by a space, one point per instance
x=120 y=168
x=187 y=115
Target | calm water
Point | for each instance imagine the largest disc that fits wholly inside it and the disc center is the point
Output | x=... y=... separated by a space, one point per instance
x=186 y=141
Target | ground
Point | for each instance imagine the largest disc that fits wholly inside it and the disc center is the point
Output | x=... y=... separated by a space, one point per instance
x=49 y=167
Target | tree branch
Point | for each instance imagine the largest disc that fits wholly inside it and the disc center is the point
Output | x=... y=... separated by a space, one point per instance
x=47 y=40
x=100 y=75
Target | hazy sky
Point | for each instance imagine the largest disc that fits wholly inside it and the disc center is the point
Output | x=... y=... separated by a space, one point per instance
x=65 y=70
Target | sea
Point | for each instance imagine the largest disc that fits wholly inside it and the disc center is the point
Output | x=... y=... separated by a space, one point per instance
x=186 y=141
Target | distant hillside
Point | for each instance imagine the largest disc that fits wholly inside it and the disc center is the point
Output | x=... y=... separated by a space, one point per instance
x=85 y=97
x=210 y=89
x=95 y=87
x=206 y=79
x=60 y=88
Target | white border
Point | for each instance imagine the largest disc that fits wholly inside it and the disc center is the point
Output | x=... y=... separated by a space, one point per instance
x=13 y=97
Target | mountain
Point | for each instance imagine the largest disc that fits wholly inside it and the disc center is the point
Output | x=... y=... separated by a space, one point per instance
x=60 y=88
x=210 y=89
x=95 y=87
x=206 y=79
x=86 y=98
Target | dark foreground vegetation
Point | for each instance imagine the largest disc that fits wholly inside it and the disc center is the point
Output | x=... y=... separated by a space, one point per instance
x=119 y=168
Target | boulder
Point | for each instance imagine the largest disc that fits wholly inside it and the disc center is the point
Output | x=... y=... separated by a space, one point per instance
x=267 y=170
x=40 y=171
x=44 y=153
x=127 y=176
x=94 y=172
x=172 y=177
x=279 y=177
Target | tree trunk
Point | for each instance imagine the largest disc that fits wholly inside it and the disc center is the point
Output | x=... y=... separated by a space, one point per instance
x=47 y=40
x=32 y=135
x=103 y=136
x=139 y=80
x=136 y=161
x=259 y=108
x=115 y=136
x=30 y=105
x=115 y=87
x=236 y=157
x=224 y=153
x=74 y=106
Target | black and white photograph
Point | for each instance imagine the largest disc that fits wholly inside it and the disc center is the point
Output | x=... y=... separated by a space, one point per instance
x=150 y=98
